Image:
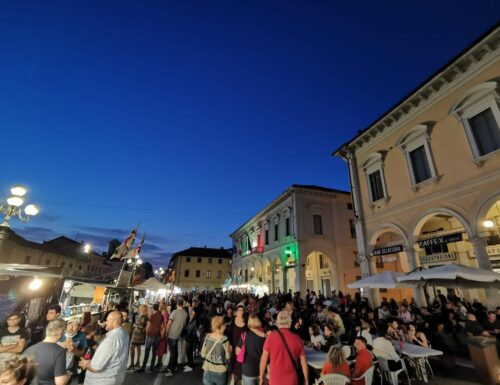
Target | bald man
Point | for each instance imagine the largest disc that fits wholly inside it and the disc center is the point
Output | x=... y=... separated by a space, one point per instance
x=109 y=364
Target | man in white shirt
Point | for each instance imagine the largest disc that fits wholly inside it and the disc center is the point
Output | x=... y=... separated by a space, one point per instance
x=109 y=364
x=176 y=322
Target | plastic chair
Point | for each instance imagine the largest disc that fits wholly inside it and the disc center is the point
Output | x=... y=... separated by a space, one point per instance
x=346 y=351
x=391 y=375
x=332 y=379
x=368 y=376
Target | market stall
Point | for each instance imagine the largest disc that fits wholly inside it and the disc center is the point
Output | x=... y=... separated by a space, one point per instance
x=29 y=290
x=80 y=296
x=153 y=290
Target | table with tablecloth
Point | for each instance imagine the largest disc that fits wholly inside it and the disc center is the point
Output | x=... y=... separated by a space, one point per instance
x=418 y=356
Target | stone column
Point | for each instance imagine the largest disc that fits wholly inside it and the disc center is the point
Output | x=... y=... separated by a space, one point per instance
x=300 y=279
x=418 y=292
x=479 y=245
x=483 y=262
x=368 y=267
x=284 y=278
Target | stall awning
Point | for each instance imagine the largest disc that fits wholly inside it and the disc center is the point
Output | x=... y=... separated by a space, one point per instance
x=25 y=270
x=151 y=284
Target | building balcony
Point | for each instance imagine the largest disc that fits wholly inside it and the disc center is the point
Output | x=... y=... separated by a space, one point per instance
x=254 y=250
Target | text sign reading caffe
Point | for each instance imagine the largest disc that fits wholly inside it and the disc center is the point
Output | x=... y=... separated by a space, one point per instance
x=456 y=237
x=387 y=250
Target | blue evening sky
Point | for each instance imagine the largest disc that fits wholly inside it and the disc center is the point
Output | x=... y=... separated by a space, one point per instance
x=190 y=116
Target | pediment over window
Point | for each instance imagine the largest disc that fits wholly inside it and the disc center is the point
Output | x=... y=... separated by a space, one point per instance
x=373 y=159
x=414 y=133
x=316 y=208
x=474 y=95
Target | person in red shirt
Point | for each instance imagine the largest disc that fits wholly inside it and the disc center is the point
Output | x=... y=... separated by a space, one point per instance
x=282 y=370
x=364 y=360
x=336 y=362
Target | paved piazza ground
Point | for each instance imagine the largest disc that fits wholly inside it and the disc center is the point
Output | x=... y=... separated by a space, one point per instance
x=458 y=376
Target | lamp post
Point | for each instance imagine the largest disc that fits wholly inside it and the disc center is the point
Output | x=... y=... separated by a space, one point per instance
x=14 y=205
x=87 y=248
x=160 y=272
x=134 y=263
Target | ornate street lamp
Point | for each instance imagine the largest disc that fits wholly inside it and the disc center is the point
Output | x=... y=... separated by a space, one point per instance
x=14 y=207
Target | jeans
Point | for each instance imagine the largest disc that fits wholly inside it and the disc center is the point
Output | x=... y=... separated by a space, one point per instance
x=190 y=354
x=173 y=346
x=212 y=378
x=250 y=380
x=151 y=344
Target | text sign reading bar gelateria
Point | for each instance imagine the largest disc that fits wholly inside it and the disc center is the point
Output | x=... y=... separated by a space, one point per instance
x=455 y=237
x=387 y=250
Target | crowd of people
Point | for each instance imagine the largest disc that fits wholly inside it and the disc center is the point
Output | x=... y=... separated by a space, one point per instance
x=240 y=337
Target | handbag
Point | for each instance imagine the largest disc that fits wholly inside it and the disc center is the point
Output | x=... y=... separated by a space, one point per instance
x=300 y=375
x=241 y=355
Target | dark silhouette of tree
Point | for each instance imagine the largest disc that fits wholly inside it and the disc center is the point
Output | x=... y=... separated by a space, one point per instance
x=148 y=270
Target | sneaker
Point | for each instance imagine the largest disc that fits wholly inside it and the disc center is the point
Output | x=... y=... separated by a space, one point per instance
x=169 y=374
x=188 y=369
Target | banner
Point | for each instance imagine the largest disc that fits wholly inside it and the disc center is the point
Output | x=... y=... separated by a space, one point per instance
x=455 y=237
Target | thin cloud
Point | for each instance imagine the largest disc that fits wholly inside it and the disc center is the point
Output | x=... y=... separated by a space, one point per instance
x=36 y=233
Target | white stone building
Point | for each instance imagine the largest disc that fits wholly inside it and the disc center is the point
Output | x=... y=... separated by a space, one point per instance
x=304 y=239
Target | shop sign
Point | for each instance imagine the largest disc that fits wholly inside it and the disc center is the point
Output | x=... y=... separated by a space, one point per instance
x=495 y=263
x=389 y=259
x=455 y=237
x=493 y=250
x=440 y=257
x=387 y=250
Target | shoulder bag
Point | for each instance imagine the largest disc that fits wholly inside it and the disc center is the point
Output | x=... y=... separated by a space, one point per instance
x=241 y=356
x=298 y=370
x=213 y=346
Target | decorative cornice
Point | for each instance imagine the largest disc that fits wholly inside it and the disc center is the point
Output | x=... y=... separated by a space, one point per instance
x=294 y=189
x=478 y=56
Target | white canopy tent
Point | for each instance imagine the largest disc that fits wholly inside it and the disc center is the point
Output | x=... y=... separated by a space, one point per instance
x=453 y=275
x=151 y=284
x=384 y=280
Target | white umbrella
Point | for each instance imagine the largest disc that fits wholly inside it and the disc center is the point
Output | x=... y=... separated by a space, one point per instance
x=385 y=280
x=453 y=275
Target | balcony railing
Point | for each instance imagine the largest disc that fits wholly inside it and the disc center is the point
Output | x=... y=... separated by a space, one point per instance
x=253 y=250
